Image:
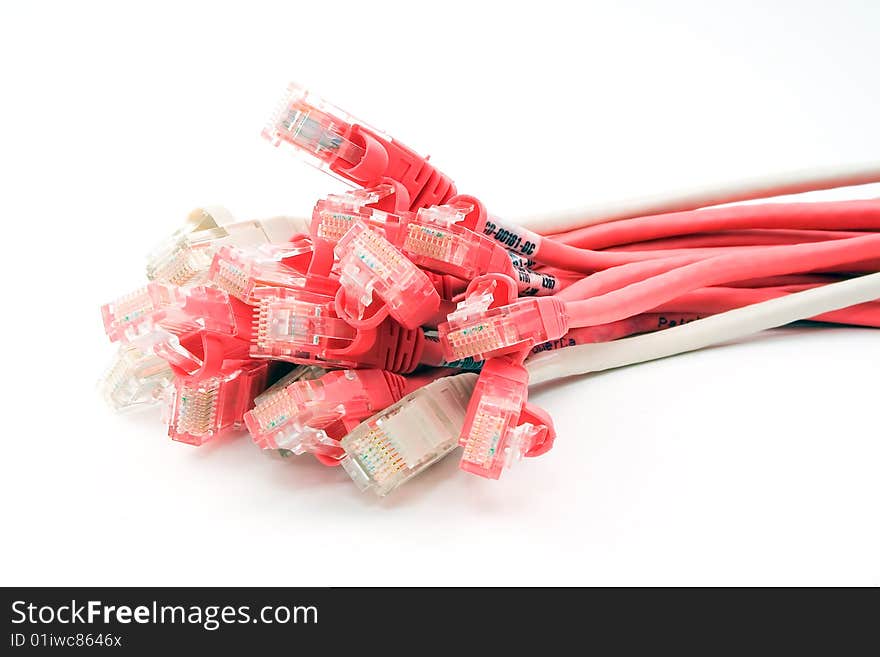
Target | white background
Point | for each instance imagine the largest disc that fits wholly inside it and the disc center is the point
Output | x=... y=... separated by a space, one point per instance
x=754 y=463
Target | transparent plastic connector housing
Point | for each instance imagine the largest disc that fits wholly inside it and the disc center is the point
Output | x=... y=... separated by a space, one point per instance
x=159 y=308
x=125 y=317
x=306 y=433
x=429 y=234
x=281 y=251
x=170 y=348
x=492 y=436
x=369 y=263
x=336 y=214
x=185 y=257
x=279 y=422
x=202 y=409
x=299 y=327
x=239 y=272
x=406 y=438
x=476 y=331
x=435 y=240
x=314 y=128
x=295 y=417
x=135 y=379
x=281 y=415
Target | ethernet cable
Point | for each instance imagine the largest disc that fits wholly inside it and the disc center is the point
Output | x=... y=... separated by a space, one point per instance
x=854 y=215
x=848 y=216
x=486 y=327
x=735 y=238
x=767 y=186
x=648 y=294
x=697 y=305
x=369 y=461
x=577 y=251
x=712 y=300
x=723 y=327
x=482 y=327
x=352 y=151
x=644 y=323
x=360 y=288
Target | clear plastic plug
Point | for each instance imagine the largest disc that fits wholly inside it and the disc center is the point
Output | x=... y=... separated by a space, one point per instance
x=135 y=379
x=299 y=327
x=315 y=129
x=276 y=422
x=127 y=316
x=239 y=272
x=434 y=239
x=184 y=257
x=203 y=408
x=475 y=330
x=336 y=214
x=159 y=308
x=295 y=416
x=369 y=263
x=282 y=415
x=406 y=438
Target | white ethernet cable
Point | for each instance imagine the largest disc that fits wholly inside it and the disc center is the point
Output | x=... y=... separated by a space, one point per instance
x=792 y=182
x=716 y=329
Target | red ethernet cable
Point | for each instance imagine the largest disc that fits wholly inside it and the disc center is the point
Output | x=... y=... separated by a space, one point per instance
x=576 y=251
x=828 y=215
x=743 y=237
x=353 y=151
x=488 y=326
x=645 y=295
